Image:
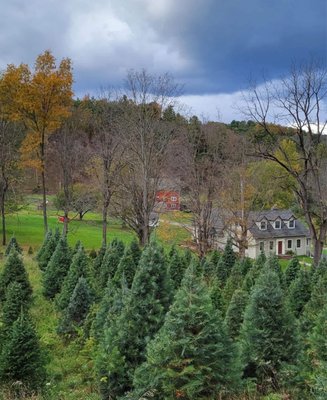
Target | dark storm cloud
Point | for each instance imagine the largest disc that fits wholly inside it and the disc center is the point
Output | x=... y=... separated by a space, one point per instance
x=212 y=46
x=231 y=40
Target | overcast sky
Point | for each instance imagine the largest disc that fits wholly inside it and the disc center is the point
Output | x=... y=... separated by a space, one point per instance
x=212 y=47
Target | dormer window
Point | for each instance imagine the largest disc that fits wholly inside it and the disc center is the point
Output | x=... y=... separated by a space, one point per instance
x=291 y=223
x=263 y=225
x=278 y=224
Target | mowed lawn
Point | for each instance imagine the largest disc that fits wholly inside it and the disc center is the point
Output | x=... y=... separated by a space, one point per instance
x=27 y=227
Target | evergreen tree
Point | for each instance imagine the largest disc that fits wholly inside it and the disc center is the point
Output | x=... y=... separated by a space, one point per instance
x=261 y=260
x=57 y=269
x=13 y=244
x=215 y=257
x=49 y=248
x=110 y=263
x=14 y=271
x=77 y=246
x=78 y=307
x=136 y=251
x=216 y=295
x=192 y=356
x=292 y=271
x=98 y=260
x=12 y=307
x=226 y=262
x=315 y=304
x=78 y=269
x=126 y=268
x=269 y=334
x=235 y=312
x=318 y=337
x=272 y=263
x=299 y=292
x=125 y=339
x=245 y=265
x=234 y=282
x=21 y=358
x=176 y=269
x=93 y=254
x=187 y=258
x=112 y=303
x=44 y=245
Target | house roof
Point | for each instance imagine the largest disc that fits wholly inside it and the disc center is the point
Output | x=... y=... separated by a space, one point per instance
x=299 y=230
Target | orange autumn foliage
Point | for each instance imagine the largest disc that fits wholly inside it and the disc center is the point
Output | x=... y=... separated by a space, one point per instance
x=41 y=99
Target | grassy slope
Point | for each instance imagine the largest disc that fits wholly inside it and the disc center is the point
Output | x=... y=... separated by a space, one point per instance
x=69 y=366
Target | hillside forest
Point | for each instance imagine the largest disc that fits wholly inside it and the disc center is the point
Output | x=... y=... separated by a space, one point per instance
x=145 y=312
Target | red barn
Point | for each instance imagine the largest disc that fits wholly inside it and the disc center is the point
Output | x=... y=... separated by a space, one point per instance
x=168 y=200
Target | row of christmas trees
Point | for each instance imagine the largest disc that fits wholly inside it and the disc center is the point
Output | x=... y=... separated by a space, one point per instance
x=173 y=326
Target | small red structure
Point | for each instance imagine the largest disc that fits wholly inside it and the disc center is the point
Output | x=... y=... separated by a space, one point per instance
x=168 y=200
x=62 y=219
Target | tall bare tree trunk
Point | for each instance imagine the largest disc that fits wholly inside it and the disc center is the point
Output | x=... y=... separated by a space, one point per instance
x=3 y=216
x=44 y=203
x=104 y=223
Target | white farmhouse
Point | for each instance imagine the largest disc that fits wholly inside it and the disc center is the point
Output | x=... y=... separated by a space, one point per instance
x=273 y=232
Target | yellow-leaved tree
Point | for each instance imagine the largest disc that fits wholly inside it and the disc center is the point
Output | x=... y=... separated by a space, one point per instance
x=41 y=99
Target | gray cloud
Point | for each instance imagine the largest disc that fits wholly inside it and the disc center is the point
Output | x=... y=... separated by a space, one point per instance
x=212 y=46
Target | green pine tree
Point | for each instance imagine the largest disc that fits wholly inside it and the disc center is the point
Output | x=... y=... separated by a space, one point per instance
x=176 y=269
x=126 y=268
x=136 y=251
x=299 y=292
x=315 y=304
x=110 y=263
x=125 y=339
x=226 y=263
x=192 y=356
x=45 y=254
x=318 y=337
x=13 y=244
x=245 y=265
x=79 y=304
x=14 y=271
x=233 y=282
x=112 y=303
x=272 y=263
x=12 y=307
x=292 y=271
x=44 y=245
x=57 y=269
x=268 y=334
x=21 y=358
x=98 y=260
x=235 y=312
x=78 y=269
x=216 y=294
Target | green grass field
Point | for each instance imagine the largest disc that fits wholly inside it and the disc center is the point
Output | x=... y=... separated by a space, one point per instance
x=27 y=226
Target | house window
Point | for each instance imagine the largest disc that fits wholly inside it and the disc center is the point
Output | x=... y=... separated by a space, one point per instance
x=278 y=224
x=291 y=224
x=173 y=198
x=289 y=243
x=261 y=246
x=173 y=205
x=298 y=243
x=263 y=225
x=271 y=245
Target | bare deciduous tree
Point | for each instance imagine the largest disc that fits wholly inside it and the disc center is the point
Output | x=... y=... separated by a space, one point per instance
x=146 y=137
x=297 y=102
x=205 y=150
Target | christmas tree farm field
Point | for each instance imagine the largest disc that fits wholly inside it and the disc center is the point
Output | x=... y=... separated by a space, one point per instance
x=68 y=365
